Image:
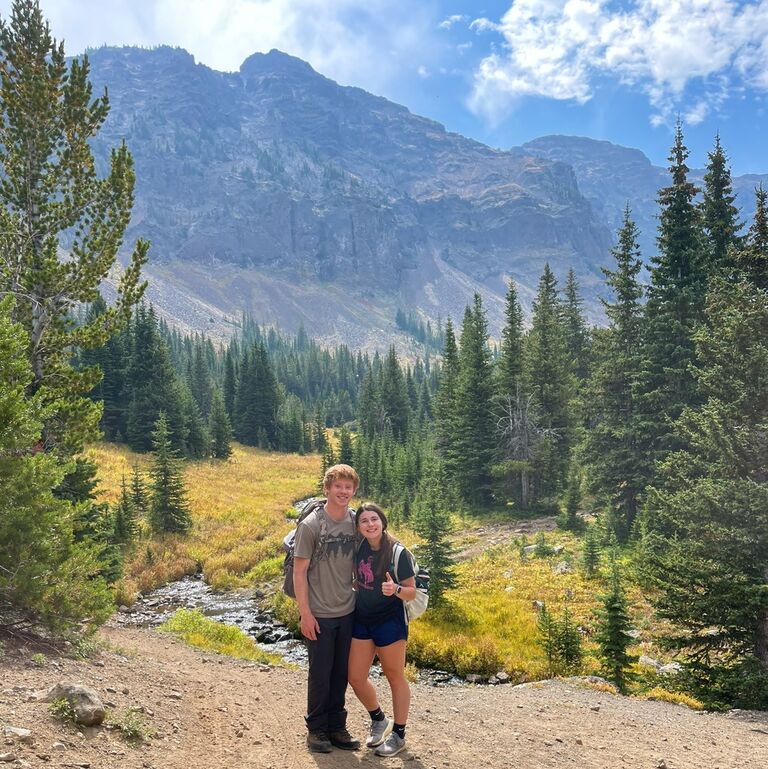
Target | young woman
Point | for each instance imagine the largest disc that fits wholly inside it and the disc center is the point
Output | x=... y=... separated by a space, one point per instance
x=381 y=627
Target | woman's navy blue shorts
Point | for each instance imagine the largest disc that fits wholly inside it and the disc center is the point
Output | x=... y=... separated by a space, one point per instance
x=382 y=633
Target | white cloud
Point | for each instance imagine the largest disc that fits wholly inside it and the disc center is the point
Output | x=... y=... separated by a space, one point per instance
x=422 y=72
x=369 y=44
x=560 y=48
x=484 y=25
x=456 y=18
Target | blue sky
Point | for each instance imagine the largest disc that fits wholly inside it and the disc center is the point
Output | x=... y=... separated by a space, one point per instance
x=499 y=71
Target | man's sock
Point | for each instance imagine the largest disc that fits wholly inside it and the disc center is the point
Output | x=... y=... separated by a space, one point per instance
x=377 y=715
x=399 y=730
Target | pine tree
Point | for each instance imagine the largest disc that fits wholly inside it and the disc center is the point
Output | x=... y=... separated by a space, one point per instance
x=219 y=428
x=139 y=496
x=394 y=396
x=612 y=634
x=706 y=527
x=509 y=367
x=548 y=377
x=752 y=259
x=590 y=560
x=474 y=424
x=200 y=381
x=432 y=521
x=576 y=333
x=675 y=305
x=614 y=451
x=719 y=216
x=46 y=576
x=152 y=385
x=571 y=521
x=125 y=528
x=445 y=404
x=230 y=382
x=169 y=511
x=346 y=447
x=52 y=197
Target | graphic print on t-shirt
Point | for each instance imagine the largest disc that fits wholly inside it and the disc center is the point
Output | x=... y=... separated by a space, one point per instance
x=365 y=573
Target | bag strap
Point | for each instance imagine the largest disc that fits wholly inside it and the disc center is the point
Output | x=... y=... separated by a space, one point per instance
x=398 y=552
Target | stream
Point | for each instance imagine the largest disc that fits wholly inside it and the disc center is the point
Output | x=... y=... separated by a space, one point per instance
x=240 y=608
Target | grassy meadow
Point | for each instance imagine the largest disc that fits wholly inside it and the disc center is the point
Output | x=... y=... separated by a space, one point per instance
x=239 y=507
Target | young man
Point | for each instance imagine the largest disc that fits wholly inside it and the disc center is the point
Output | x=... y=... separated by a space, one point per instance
x=323 y=568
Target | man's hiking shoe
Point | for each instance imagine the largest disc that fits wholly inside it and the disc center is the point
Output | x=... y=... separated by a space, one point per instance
x=393 y=745
x=343 y=739
x=380 y=730
x=318 y=742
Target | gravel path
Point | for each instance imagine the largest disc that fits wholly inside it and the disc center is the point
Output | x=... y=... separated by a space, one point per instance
x=211 y=712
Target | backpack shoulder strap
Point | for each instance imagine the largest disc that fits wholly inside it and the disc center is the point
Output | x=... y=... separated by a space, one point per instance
x=397 y=552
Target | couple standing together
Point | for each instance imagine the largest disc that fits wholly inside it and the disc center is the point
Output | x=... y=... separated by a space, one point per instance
x=346 y=628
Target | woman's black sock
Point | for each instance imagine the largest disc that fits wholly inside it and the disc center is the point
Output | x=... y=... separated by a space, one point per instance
x=399 y=730
x=376 y=715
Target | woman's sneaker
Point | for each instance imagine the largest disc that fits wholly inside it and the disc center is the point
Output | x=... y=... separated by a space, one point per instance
x=393 y=745
x=380 y=730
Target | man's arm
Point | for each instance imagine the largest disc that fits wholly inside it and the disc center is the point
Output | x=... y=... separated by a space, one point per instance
x=309 y=625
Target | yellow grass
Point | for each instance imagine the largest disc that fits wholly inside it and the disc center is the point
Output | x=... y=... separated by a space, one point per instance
x=677 y=698
x=203 y=633
x=238 y=511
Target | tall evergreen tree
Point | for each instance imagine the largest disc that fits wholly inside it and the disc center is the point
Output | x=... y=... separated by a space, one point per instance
x=51 y=197
x=46 y=576
x=125 y=528
x=394 y=396
x=548 y=377
x=509 y=367
x=219 y=428
x=152 y=385
x=612 y=634
x=169 y=511
x=719 y=215
x=230 y=382
x=706 y=542
x=139 y=495
x=675 y=304
x=445 y=403
x=752 y=259
x=576 y=332
x=475 y=440
x=433 y=522
x=618 y=461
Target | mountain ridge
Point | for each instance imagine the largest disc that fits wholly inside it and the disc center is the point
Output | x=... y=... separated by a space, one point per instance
x=277 y=191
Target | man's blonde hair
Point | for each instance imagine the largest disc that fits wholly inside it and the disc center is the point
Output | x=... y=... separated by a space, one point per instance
x=340 y=472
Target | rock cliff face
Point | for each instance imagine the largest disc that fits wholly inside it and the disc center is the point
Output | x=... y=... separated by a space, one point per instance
x=611 y=176
x=276 y=190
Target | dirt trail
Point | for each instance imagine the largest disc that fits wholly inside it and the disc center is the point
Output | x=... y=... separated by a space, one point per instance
x=211 y=712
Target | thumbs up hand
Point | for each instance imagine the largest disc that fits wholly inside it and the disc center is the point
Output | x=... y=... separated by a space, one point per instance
x=388 y=587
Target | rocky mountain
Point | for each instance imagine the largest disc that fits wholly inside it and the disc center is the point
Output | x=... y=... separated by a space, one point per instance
x=610 y=177
x=275 y=190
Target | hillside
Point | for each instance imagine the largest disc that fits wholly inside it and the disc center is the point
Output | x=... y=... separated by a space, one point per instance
x=210 y=712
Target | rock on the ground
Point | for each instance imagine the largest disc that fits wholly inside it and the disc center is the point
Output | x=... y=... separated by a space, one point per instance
x=88 y=708
x=18 y=734
x=7 y=757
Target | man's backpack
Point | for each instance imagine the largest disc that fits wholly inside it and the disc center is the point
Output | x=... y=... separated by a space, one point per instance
x=418 y=605
x=290 y=541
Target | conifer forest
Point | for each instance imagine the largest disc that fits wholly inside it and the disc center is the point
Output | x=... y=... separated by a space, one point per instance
x=646 y=435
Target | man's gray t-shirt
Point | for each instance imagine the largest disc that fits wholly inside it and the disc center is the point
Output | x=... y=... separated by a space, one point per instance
x=330 y=571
